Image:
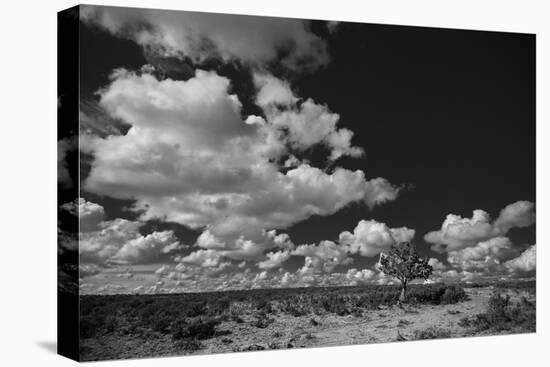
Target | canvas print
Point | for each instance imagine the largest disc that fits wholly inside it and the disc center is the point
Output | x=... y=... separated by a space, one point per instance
x=235 y=183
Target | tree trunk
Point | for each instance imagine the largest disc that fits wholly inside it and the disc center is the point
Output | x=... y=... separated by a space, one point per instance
x=403 y=294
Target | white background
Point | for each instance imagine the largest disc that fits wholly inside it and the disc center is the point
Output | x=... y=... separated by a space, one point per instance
x=28 y=181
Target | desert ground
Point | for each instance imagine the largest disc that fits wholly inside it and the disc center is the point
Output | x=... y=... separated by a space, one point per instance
x=133 y=327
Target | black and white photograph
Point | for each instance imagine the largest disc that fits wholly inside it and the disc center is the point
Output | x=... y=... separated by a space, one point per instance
x=235 y=183
x=231 y=183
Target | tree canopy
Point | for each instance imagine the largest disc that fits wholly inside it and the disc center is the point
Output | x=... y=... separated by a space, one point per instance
x=402 y=262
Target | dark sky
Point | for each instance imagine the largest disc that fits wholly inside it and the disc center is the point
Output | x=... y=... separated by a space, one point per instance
x=448 y=114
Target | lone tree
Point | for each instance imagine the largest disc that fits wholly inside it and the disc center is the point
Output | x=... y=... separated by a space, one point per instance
x=402 y=262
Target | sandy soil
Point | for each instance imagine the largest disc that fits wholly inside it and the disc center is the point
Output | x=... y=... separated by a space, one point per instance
x=387 y=324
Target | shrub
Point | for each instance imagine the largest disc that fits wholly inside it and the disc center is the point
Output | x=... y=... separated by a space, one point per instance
x=261 y=304
x=336 y=304
x=235 y=311
x=529 y=286
x=437 y=294
x=252 y=347
x=200 y=328
x=111 y=323
x=148 y=310
x=238 y=319
x=218 y=307
x=294 y=308
x=264 y=306
x=464 y=322
x=161 y=322
x=432 y=332
x=389 y=298
x=89 y=326
x=144 y=314
x=196 y=309
x=453 y=294
x=190 y=345
x=427 y=294
x=262 y=321
x=503 y=314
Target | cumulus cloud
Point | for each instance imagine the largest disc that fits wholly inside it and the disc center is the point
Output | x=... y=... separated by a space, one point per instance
x=208 y=241
x=252 y=41
x=242 y=248
x=90 y=215
x=305 y=124
x=118 y=240
x=360 y=276
x=311 y=124
x=517 y=215
x=204 y=270
x=188 y=157
x=94 y=120
x=205 y=258
x=452 y=275
x=213 y=250
x=484 y=255
x=88 y=270
x=436 y=264
x=110 y=288
x=291 y=162
x=280 y=240
x=147 y=248
x=102 y=244
x=274 y=259
x=260 y=276
x=323 y=257
x=287 y=279
x=496 y=258
x=369 y=238
x=164 y=280
x=526 y=262
x=163 y=270
x=273 y=92
x=183 y=151
x=320 y=261
x=457 y=233
x=352 y=276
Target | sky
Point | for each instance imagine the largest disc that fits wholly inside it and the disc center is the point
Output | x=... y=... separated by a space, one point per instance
x=224 y=152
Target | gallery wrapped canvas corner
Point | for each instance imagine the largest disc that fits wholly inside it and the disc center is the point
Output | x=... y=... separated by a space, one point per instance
x=232 y=183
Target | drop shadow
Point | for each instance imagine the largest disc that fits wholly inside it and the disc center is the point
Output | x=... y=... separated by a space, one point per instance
x=48 y=345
